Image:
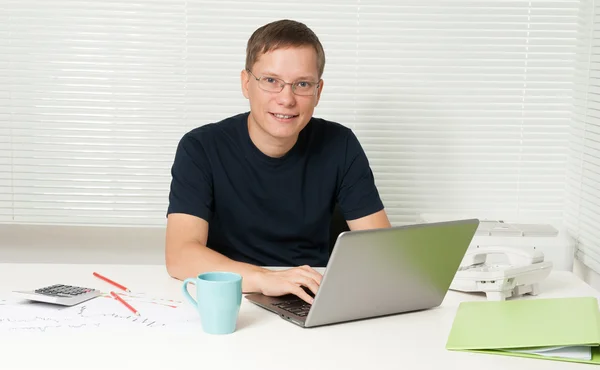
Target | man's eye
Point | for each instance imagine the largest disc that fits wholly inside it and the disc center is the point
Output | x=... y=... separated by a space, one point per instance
x=270 y=80
x=304 y=84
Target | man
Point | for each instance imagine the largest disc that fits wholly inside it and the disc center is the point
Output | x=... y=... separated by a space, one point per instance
x=267 y=181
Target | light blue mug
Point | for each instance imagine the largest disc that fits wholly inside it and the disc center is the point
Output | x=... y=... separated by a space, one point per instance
x=218 y=300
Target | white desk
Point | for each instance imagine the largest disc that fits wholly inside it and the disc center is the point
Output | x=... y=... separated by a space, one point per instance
x=263 y=340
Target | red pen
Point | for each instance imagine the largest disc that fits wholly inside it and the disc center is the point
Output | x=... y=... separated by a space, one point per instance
x=111 y=282
x=135 y=312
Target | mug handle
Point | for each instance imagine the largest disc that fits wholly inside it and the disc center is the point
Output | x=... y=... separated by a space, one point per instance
x=186 y=294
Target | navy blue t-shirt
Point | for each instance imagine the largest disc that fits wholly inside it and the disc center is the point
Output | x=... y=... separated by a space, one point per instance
x=271 y=211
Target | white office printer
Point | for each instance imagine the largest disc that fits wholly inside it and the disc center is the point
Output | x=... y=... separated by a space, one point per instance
x=507 y=260
x=517 y=276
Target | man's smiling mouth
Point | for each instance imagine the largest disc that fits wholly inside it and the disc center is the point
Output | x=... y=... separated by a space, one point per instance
x=284 y=116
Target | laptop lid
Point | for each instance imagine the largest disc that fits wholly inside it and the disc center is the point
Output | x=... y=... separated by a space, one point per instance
x=381 y=272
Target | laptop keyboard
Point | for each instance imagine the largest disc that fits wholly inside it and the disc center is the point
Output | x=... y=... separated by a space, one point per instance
x=296 y=306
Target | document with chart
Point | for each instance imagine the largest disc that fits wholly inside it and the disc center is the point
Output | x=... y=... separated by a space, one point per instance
x=18 y=316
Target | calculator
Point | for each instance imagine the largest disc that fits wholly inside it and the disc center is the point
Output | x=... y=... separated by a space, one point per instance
x=66 y=295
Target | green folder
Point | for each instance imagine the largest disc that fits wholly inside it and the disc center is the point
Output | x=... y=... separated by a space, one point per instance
x=560 y=329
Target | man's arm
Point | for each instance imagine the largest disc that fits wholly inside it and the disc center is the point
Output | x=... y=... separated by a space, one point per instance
x=377 y=220
x=358 y=196
x=187 y=255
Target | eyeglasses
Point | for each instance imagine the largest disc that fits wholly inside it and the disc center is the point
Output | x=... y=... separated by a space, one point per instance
x=272 y=84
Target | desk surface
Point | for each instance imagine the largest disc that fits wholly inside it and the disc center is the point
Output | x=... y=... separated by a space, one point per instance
x=263 y=340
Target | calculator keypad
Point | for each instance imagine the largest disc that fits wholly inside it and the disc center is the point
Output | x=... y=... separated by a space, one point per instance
x=61 y=290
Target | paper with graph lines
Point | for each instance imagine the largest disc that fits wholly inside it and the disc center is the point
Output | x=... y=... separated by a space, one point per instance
x=102 y=312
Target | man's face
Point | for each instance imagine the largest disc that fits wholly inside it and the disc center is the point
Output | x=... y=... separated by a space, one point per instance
x=282 y=115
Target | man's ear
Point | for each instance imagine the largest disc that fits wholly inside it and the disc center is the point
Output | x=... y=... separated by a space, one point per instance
x=244 y=79
x=319 y=90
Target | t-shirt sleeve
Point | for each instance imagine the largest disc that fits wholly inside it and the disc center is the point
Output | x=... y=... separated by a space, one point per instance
x=357 y=194
x=191 y=190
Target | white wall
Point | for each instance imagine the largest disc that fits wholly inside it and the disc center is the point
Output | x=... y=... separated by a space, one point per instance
x=81 y=244
x=586 y=274
x=114 y=245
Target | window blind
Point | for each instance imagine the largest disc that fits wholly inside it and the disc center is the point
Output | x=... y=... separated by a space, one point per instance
x=461 y=106
x=583 y=183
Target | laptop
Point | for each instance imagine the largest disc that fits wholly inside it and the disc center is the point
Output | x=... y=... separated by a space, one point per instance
x=381 y=272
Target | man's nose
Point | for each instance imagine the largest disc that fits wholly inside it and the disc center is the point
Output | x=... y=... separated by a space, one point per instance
x=287 y=97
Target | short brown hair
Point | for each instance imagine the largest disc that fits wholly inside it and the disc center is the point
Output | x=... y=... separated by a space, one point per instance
x=281 y=34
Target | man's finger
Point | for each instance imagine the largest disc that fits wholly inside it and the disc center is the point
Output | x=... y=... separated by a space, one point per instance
x=313 y=274
x=296 y=290
x=308 y=268
x=309 y=283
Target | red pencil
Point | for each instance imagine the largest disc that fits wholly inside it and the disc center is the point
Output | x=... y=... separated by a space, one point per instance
x=135 y=312
x=111 y=282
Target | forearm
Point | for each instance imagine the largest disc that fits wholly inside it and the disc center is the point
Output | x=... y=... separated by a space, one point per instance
x=193 y=258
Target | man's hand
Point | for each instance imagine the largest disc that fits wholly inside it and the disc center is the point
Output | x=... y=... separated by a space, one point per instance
x=280 y=282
